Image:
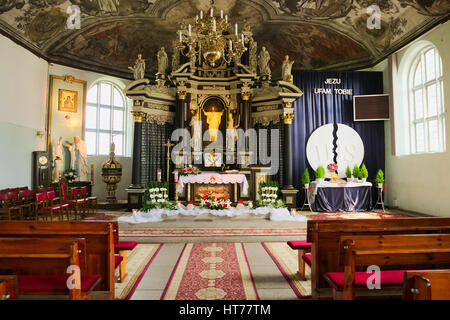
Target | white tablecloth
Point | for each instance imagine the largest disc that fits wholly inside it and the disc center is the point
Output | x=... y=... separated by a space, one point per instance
x=326 y=184
x=156 y=215
x=214 y=178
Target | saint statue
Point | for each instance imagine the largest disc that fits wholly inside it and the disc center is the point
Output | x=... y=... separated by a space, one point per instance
x=213 y=118
x=196 y=131
x=78 y=159
x=231 y=132
x=58 y=160
x=163 y=61
x=138 y=68
x=286 y=68
x=263 y=62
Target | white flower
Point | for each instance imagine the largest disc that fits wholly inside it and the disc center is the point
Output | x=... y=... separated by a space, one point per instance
x=166 y=196
x=153 y=201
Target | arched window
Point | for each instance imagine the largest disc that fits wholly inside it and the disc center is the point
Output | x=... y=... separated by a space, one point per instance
x=426 y=105
x=106 y=119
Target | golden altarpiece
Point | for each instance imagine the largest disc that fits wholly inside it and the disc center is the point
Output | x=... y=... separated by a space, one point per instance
x=218 y=81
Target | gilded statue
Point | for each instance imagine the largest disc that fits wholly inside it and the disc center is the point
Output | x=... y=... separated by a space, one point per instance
x=138 y=68
x=213 y=118
x=263 y=62
x=286 y=68
x=163 y=61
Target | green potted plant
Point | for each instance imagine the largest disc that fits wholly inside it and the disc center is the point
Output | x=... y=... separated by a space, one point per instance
x=364 y=173
x=320 y=173
x=305 y=178
x=356 y=173
x=379 y=179
x=348 y=174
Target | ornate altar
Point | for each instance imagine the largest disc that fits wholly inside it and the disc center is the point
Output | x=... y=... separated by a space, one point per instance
x=218 y=89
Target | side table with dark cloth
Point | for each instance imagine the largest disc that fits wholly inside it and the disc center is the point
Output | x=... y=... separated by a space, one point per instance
x=335 y=197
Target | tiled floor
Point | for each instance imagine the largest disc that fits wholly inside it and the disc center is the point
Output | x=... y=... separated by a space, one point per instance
x=269 y=281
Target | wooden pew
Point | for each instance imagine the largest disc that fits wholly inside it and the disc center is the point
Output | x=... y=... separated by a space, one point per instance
x=99 y=244
x=43 y=266
x=427 y=285
x=8 y=287
x=401 y=252
x=325 y=234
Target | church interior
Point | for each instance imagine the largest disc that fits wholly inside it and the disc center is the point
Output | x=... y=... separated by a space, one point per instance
x=224 y=150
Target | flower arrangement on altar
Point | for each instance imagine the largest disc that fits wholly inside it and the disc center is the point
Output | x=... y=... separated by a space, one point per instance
x=186 y=171
x=332 y=167
x=156 y=197
x=268 y=192
x=69 y=174
x=210 y=201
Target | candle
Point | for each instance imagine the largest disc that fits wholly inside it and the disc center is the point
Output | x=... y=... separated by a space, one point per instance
x=201 y=14
x=196 y=18
x=236 y=29
x=226 y=18
x=212 y=10
x=176 y=176
x=214 y=25
x=221 y=14
x=189 y=30
x=159 y=175
x=242 y=38
x=231 y=45
x=180 y=37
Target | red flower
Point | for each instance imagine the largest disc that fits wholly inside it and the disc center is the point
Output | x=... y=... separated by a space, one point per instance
x=219 y=205
x=208 y=204
x=184 y=170
x=195 y=170
x=384 y=188
x=190 y=169
x=213 y=197
x=241 y=201
x=220 y=198
x=309 y=189
x=213 y=152
x=190 y=202
x=225 y=205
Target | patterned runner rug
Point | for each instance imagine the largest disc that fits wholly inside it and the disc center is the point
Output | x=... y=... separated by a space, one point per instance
x=138 y=261
x=211 y=271
x=286 y=260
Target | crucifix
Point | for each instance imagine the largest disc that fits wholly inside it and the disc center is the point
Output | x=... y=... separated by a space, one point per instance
x=168 y=145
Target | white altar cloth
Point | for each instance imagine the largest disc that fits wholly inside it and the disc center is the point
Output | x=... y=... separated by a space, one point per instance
x=214 y=178
x=156 y=215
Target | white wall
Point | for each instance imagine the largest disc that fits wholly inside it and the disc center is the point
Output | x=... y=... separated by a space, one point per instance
x=23 y=105
x=420 y=183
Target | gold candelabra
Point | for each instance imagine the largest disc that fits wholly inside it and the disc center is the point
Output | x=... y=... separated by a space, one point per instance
x=213 y=38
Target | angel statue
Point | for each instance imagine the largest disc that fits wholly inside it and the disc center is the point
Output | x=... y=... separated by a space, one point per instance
x=286 y=68
x=138 y=68
x=163 y=61
x=196 y=131
x=263 y=62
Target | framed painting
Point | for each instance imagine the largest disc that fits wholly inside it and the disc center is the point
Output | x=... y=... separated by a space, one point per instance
x=67 y=100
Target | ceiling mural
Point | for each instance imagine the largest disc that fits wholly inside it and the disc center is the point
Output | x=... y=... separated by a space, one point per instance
x=317 y=34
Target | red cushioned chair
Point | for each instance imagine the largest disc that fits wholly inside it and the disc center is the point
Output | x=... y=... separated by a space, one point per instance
x=8 y=207
x=63 y=207
x=26 y=201
x=82 y=202
x=74 y=204
x=44 y=209
x=91 y=201
x=302 y=248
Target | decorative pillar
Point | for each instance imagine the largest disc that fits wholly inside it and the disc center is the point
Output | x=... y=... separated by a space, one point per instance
x=136 y=190
x=288 y=192
x=181 y=109
x=245 y=111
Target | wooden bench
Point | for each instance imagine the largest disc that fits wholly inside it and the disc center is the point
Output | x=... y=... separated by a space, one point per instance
x=302 y=248
x=324 y=236
x=8 y=287
x=99 y=244
x=399 y=252
x=427 y=285
x=42 y=266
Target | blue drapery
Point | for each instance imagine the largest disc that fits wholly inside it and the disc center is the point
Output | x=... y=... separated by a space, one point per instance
x=314 y=110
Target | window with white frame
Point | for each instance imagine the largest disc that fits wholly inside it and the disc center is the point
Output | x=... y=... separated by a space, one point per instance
x=426 y=105
x=106 y=121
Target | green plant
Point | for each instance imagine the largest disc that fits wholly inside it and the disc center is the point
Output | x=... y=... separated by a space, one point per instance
x=356 y=172
x=379 y=178
x=305 y=177
x=320 y=172
x=364 y=172
x=348 y=172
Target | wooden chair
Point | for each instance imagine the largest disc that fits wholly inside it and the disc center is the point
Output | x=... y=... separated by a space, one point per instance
x=75 y=205
x=42 y=266
x=427 y=285
x=91 y=201
x=26 y=201
x=8 y=208
x=8 y=287
x=45 y=208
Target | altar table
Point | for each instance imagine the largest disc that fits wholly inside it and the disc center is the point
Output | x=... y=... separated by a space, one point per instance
x=214 y=178
x=341 y=197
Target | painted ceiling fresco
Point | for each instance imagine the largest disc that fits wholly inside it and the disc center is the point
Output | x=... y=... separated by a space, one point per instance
x=317 y=34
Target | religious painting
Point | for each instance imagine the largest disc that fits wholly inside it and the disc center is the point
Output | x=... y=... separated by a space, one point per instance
x=217 y=190
x=213 y=113
x=67 y=100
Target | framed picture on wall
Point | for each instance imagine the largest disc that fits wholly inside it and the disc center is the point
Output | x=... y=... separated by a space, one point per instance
x=67 y=100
